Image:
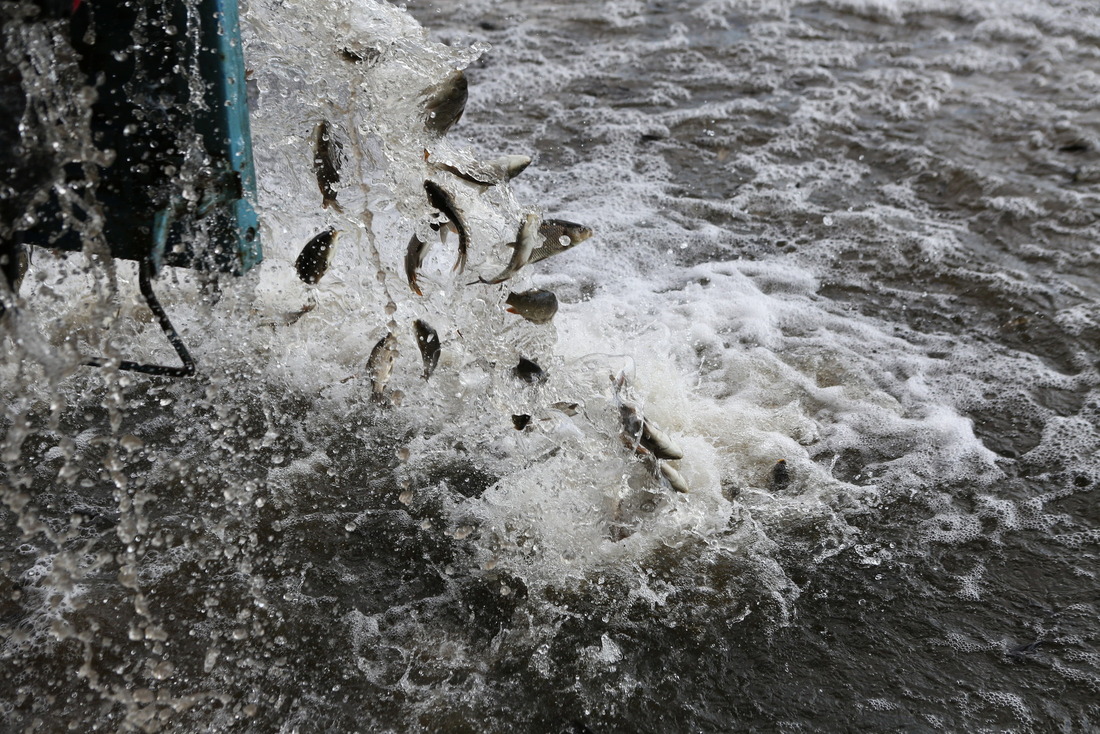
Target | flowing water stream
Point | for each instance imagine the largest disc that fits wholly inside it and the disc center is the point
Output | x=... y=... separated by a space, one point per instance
x=858 y=235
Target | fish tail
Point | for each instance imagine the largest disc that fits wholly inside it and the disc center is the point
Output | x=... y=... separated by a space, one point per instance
x=460 y=263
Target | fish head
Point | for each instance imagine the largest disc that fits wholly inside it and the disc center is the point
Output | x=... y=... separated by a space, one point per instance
x=576 y=233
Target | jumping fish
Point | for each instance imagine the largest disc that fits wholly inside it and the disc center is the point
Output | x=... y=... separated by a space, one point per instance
x=642 y=436
x=537 y=306
x=445 y=102
x=428 y=341
x=380 y=364
x=488 y=173
x=368 y=56
x=780 y=477
x=674 y=478
x=316 y=256
x=327 y=158
x=524 y=245
x=414 y=258
x=289 y=318
x=558 y=235
x=445 y=203
x=14 y=261
x=566 y=407
x=528 y=371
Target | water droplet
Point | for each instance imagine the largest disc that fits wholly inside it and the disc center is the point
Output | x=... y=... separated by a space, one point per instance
x=827 y=221
x=163 y=670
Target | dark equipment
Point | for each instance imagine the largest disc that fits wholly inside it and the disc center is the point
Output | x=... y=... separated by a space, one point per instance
x=179 y=185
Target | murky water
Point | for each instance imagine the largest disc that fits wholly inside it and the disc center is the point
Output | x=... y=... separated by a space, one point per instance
x=857 y=236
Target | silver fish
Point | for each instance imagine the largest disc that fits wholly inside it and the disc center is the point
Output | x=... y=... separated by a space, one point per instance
x=380 y=364
x=14 y=261
x=537 y=306
x=428 y=341
x=328 y=156
x=488 y=173
x=524 y=245
x=558 y=235
x=444 y=202
x=316 y=256
x=445 y=102
x=289 y=318
x=673 y=477
x=414 y=258
x=644 y=437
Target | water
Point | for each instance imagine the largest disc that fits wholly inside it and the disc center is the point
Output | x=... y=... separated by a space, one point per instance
x=859 y=236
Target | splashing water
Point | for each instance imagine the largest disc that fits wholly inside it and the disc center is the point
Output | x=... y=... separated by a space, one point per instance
x=266 y=548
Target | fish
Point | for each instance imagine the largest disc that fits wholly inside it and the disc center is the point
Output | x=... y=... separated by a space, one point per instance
x=367 y=56
x=380 y=364
x=537 y=306
x=1021 y=650
x=521 y=421
x=428 y=341
x=488 y=173
x=14 y=261
x=525 y=243
x=674 y=478
x=445 y=102
x=558 y=235
x=570 y=409
x=328 y=156
x=780 y=477
x=644 y=437
x=414 y=258
x=316 y=256
x=528 y=371
x=444 y=202
x=289 y=318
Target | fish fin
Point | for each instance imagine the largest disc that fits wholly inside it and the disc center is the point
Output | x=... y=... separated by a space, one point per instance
x=416 y=288
x=333 y=203
x=511 y=310
x=460 y=263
